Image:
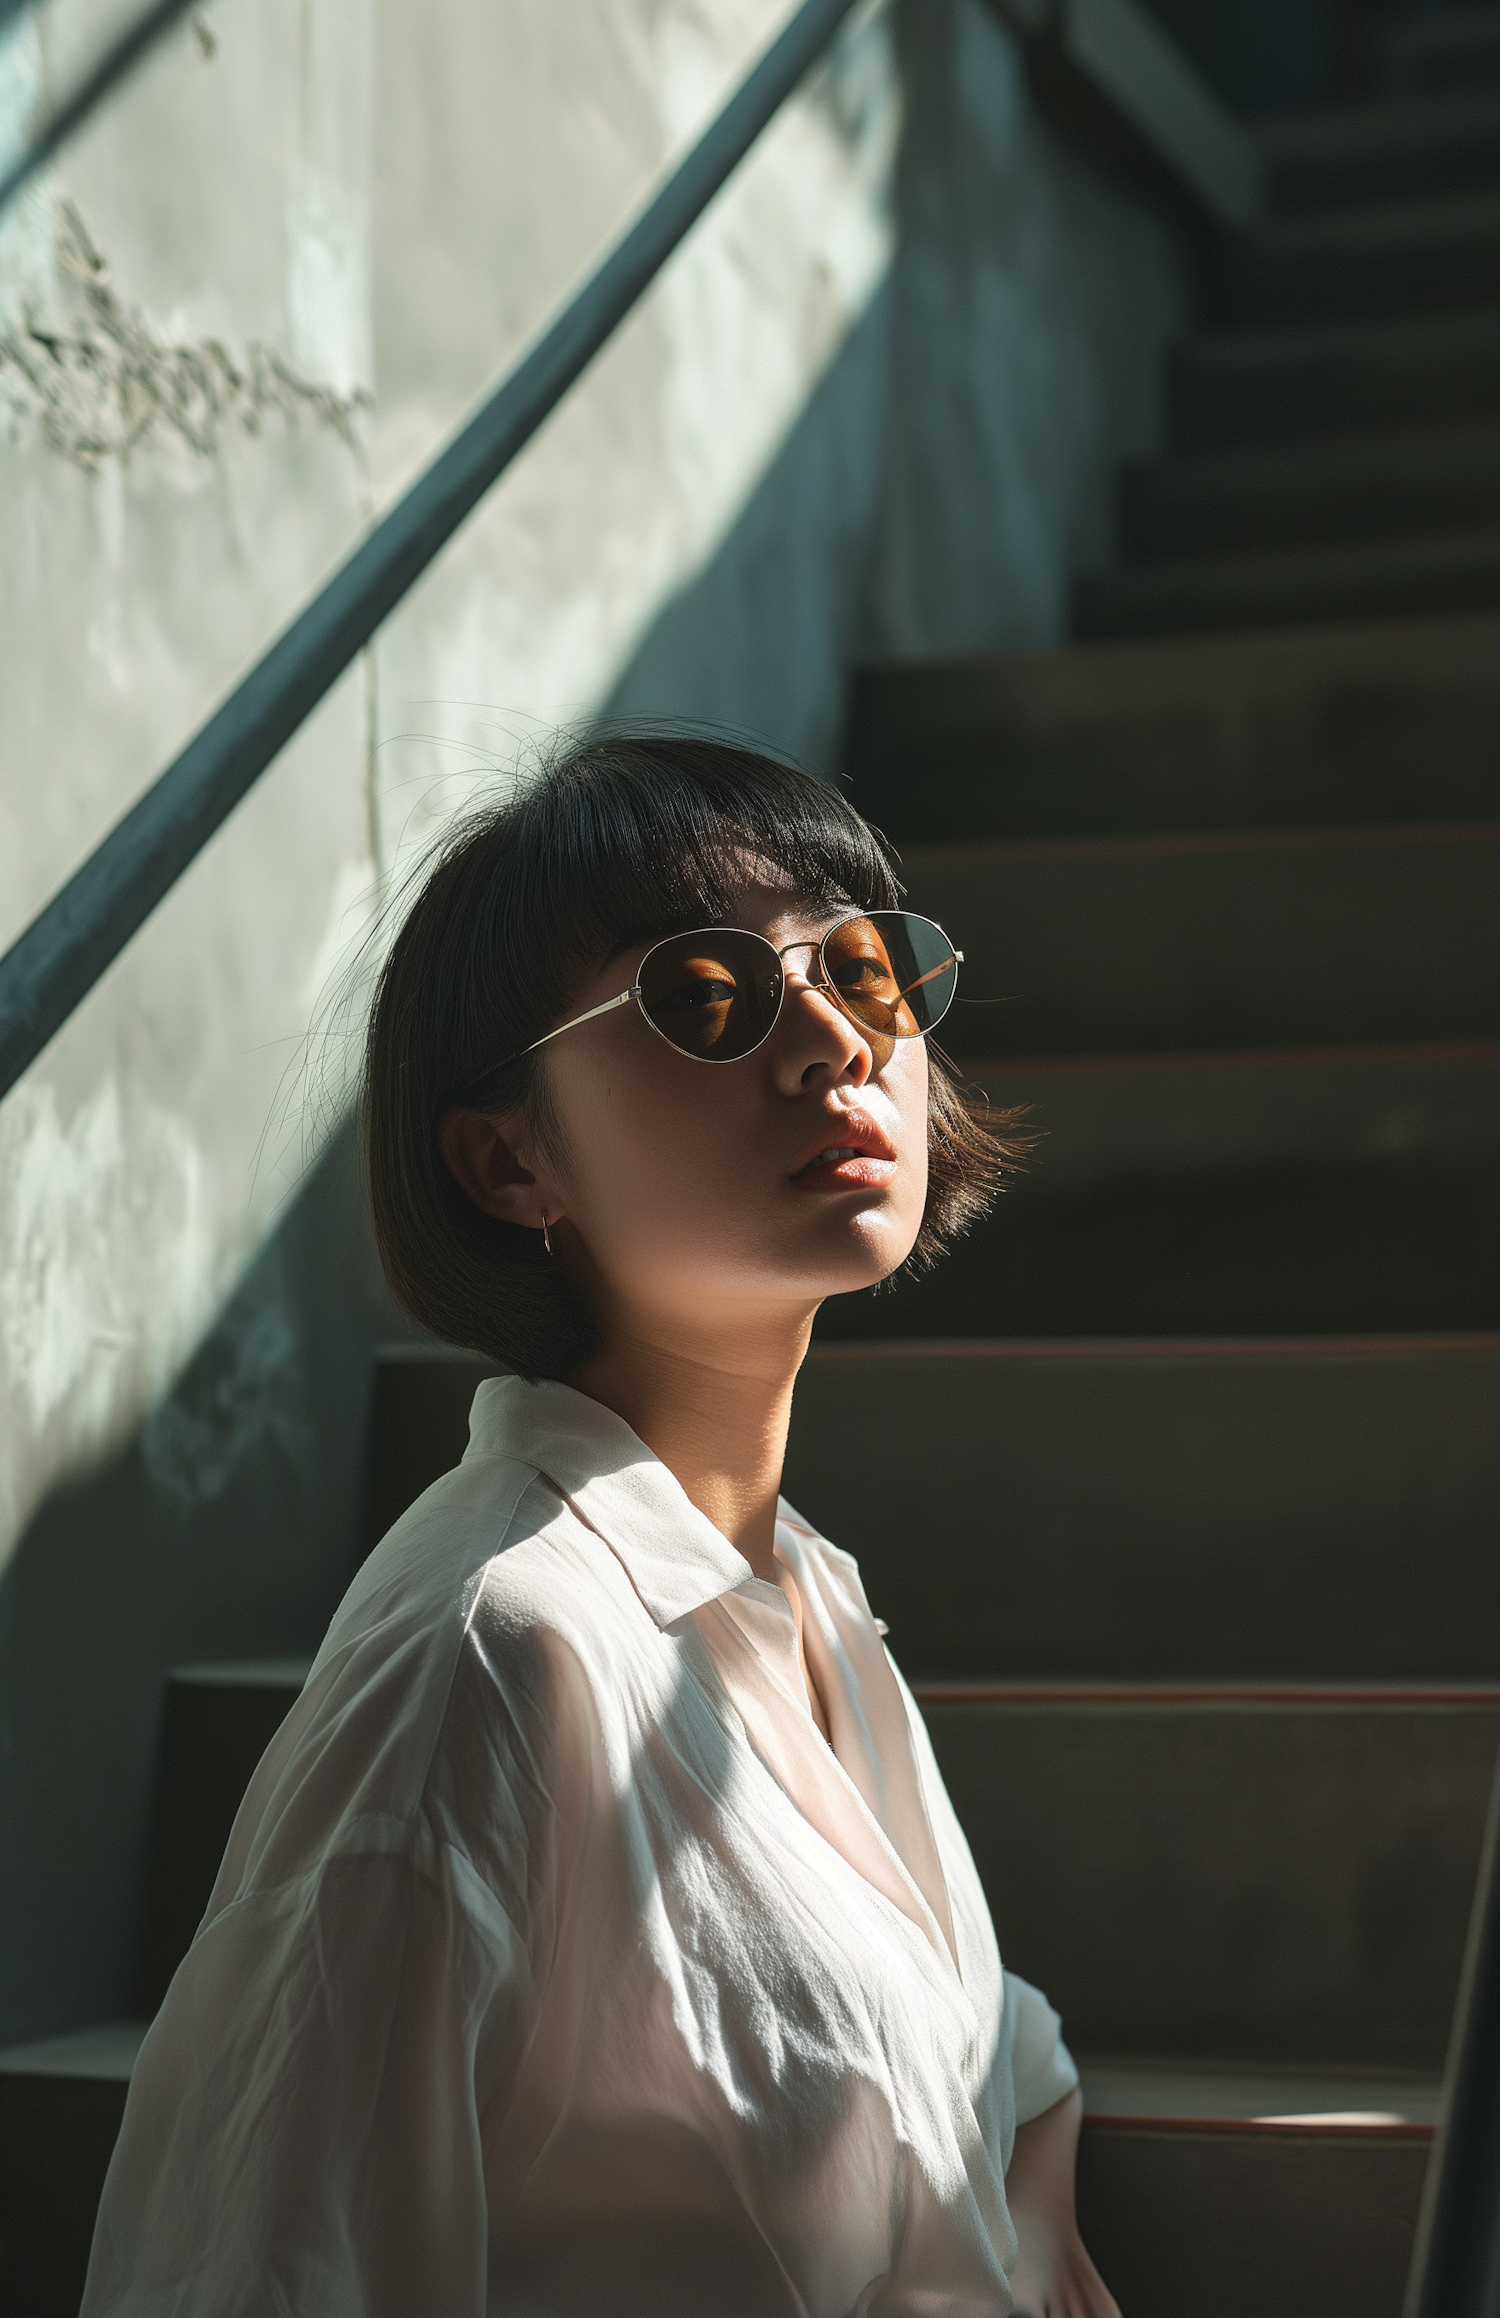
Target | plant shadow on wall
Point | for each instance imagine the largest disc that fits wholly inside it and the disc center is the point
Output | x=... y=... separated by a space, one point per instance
x=933 y=495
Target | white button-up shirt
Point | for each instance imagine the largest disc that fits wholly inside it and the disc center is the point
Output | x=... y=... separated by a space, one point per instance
x=559 y=1967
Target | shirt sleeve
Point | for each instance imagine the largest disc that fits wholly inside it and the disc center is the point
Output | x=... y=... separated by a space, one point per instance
x=302 y=2134
x=1042 y=2068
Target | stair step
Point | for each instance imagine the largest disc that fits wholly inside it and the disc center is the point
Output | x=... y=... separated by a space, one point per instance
x=1255 y=385
x=61 y=2101
x=1160 y=1509
x=1370 y=486
x=1440 y=47
x=219 y=1720
x=1371 y=257
x=1452 y=571
x=1265 y=1875
x=1408 y=141
x=1121 y=2088
x=1187 y=2217
x=1285 y=938
x=419 y=1424
x=1292 y=2189
x=1253 y=1193
x=1387 y=721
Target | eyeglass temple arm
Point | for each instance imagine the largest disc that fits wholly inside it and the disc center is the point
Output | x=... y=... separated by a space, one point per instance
x=932 y=973
x=622 y=999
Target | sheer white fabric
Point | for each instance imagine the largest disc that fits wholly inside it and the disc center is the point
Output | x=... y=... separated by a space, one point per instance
x=559 y=1968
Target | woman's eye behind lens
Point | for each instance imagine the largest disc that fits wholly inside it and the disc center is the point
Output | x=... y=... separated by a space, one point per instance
x=693 y=996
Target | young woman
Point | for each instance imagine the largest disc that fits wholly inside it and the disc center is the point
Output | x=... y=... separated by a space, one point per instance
x=597 y=1936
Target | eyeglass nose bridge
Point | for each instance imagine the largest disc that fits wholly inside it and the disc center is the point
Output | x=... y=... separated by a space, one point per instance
x=818 y=977
x=820 y=980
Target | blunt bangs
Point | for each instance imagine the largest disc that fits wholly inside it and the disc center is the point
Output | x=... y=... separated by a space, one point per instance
x=616 y=840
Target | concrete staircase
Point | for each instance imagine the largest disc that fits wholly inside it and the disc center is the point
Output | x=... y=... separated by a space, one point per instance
x=1339 y=428
x=1207 y=1624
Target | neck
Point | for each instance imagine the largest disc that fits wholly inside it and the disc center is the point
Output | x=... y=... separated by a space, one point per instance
x=715 y=1412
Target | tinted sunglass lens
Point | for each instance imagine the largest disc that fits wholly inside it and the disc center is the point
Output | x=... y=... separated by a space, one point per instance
x=715 y=995
x=894 y=973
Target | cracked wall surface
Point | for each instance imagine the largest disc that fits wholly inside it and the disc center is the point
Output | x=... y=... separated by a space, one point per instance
x=871 y=404
x=100 y=381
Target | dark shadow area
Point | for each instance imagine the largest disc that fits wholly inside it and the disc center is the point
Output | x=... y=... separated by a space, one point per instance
x=1260 y=55
x=1265 y=56
x=228 y=1528
x=1379 y=1246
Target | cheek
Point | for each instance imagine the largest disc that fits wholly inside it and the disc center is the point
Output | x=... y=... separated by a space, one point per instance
x=652 y=1148
x=674 y=1174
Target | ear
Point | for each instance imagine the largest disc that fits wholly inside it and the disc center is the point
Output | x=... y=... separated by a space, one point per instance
x=484 y=1163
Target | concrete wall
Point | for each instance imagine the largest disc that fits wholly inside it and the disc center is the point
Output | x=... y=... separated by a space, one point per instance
x=509 y=151
x=872 y=406
x=185 y=365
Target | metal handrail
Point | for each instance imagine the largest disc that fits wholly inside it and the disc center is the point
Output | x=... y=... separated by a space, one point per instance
x=63 y=952
x=1455 y=2271
x=121 y=56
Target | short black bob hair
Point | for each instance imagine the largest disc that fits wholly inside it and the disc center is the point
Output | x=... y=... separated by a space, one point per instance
x=614 y=841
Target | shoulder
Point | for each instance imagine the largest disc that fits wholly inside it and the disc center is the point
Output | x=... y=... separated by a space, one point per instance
x=458 y=1660
x=492 y=1546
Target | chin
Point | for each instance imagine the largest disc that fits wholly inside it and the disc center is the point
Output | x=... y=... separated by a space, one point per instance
x=870 y=1256
x=855 y=1284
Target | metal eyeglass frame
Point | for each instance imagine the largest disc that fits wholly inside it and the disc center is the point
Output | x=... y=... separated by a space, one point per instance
x=827 y=984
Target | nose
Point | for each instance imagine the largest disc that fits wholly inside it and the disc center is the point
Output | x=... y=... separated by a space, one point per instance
x=816 y=1042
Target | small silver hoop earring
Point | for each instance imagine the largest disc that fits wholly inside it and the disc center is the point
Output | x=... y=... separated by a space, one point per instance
x=546 y=1236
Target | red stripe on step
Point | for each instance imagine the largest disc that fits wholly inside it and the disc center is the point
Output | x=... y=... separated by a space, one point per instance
x=1153 y=1347
x=1223 y=1694
x=1258 y=2128
x=1212 y=1058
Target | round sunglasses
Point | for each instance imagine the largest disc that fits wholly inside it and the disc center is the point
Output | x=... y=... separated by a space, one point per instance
x=716 y=993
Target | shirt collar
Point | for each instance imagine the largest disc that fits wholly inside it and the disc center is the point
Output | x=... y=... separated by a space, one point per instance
x=672 y=1553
